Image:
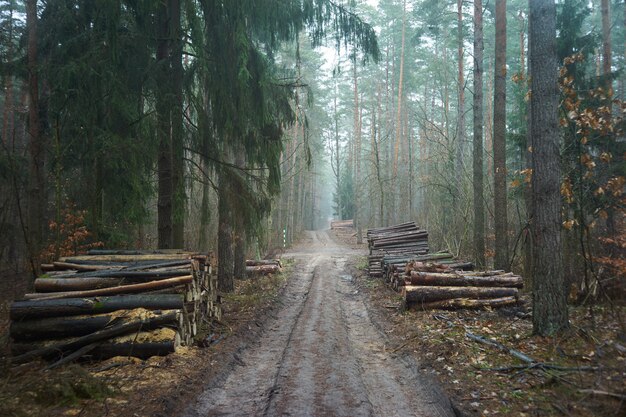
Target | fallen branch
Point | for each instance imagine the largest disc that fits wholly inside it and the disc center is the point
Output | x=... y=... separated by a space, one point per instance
x=73 y=356
x=544 y=365
x=603 y=393
x=409 y=340
x=530 y=362
x=516 y=353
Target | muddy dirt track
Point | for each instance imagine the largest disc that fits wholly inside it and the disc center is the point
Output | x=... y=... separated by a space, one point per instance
x=322 y=353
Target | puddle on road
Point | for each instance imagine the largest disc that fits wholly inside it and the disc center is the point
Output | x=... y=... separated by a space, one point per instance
x=348 y=278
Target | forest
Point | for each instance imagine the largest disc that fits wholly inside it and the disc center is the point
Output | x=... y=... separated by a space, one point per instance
x=175 y=125
x=233 y=127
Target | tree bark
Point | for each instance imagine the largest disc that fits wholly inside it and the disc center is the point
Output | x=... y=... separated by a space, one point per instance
x=122 y=275
x=34 y=309
x=479 y=207
x=447 y=279
x=164 y=138
x=466 y=303
x=337 y=158
x=418 y=294
x=43 y=285
x=262 y=269
x=501 y=260
x=399 y=106
x=121 y=289
x=118 y=330
x=64 y=327
x=256 y=262
x=225 y=271
x=460 y=136
x=239 y=233
x=36 y=146
x=178 y=168
x=549 y=296
x=357 y=154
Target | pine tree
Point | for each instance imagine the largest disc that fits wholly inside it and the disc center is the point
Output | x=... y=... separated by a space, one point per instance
x=499 y=142
x=479 y=211
x=549 y=297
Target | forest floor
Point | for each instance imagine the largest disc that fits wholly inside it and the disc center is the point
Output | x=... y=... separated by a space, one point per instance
x=482 y=380
x=325 y=339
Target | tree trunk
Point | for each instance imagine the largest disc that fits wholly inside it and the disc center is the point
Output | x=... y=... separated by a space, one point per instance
x=479 y=207
x=528 y=198
x=37 y=309
x=447 y=279
x=499 y=142
x=458 y=303
x=118 y=330
x=399 y=107
x=164 y=138
x=262 y=269
x=549 y=295
x=103 y=279
x=256 y=262
x=225 y=271
x=64 y=327
x=337 y=158
x=205 y=128
x=460 y=136
x=419 y=294
x=43 y=285
x=36 y=146
x=357 y=156
x=205 y=214
x=239 y=232
x=121 y=289
x=178 y=167
x=8 y=115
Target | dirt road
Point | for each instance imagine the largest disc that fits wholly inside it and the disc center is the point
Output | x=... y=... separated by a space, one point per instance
x=322 y=354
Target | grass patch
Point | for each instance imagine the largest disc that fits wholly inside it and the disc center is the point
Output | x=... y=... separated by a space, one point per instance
x=29 y=393
x=257 y=290
x=362 y=263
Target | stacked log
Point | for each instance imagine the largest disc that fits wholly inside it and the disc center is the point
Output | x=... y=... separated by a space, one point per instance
x=263 y=266
x=427 y=285
x=403 y=240
x=111 y=303
x=394 y=268
x=341 y=224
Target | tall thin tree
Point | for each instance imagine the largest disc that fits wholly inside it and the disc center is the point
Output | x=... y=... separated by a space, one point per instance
x=549 y=297
x=164 y=138
x=177 y=131
x=499 y=141
x=479 y=207
x=396 y=149
x=460 y=135
x=36 y=147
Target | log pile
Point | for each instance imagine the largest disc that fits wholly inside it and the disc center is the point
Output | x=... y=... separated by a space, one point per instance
x=263 y=266
x=403 y=240
x=112 y=303
x=426 y=285
x=394 y=267
x=341 y=224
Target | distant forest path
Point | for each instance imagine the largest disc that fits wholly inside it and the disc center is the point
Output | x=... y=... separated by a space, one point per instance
x=322 y=353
